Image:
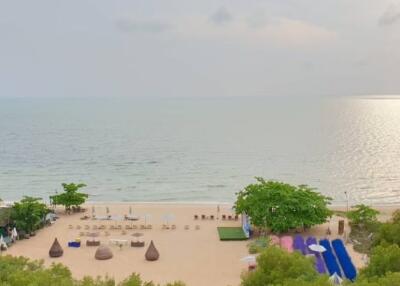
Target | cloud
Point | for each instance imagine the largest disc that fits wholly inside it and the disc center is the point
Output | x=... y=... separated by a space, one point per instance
x=221 y=16
x=390 y=16
x=296 y=32
x=283 y=32
x=133 y=26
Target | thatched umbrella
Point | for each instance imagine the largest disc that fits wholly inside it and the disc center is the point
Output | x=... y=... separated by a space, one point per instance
x=103 y=253
x=56 y=249
x=152 y=253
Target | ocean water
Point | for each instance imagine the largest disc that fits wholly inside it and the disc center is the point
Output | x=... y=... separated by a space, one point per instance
x=194 y=149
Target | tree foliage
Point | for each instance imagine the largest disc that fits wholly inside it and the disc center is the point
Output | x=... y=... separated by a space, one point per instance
x=384 y=259
x=362 y=215
x=20 y=271
x=390 y=279
x=28 y=213
x=280 y=206
x=278 y=267
x=389 y=232
x=70 y=197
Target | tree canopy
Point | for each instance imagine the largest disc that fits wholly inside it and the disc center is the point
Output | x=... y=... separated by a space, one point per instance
x=279 y=206
x=28 y=213
x=20 y=271
x=362 y=215
x=70 y=197
x=278 y=267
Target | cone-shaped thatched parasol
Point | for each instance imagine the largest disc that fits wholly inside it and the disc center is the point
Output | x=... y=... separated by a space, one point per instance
x=56 y=249
x=152 y=253
x=103 y=252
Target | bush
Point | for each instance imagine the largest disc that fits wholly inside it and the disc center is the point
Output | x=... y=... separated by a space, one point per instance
x=20 y=271
x=383 y=259
x=389 y=232
x=258 y=245
x=278 y=267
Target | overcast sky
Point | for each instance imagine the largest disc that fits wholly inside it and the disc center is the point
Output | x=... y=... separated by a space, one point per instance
x=199 y=48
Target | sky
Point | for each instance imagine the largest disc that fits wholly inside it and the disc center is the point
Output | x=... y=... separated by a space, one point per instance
x=199 y=48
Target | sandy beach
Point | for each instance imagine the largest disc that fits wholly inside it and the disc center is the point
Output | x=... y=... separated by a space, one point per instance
x=195 y=256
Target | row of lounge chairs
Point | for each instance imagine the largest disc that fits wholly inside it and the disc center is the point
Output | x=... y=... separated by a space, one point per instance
x=111 y=227
x=212 y=217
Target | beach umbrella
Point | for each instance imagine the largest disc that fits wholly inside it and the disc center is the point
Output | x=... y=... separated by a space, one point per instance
x=249 y=259
x=14 y=233
x=335 y=279
x=146 y=217
x=317 y=248
x=168 y=217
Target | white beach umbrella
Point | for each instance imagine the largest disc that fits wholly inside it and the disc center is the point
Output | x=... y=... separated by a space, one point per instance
x=146 y=217
x=249 y=259
x=2 y=243
x=317 y=248
x=168 y=217
x=335 y=279
x=14 y=233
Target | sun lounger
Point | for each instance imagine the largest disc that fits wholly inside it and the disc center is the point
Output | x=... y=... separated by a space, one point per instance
x=74 y=244
x=287 y=243
x=149 y=226
x=223 y=217
x=299 y=245
x=344 y=259
x=78 y=227
x=319 y=262
x=186 y=227
x=197 y=227
x=203 y=217
x=173 y=227
x=87 y=227
x=92 y=242
x=330 y=259
x=137 y=243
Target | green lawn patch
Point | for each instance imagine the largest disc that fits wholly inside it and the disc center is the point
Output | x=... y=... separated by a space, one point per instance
x=231 y=233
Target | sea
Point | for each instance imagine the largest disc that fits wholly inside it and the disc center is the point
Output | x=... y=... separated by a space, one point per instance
x=200 y=149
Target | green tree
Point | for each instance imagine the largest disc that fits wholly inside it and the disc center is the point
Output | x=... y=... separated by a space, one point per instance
x=278 y=267
x=362 y=215
x=280 y=206
x=383 y=259
x=389 y=232
x=28 y=213
x=20 y=271
x=70 y=197
x=390 y=279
